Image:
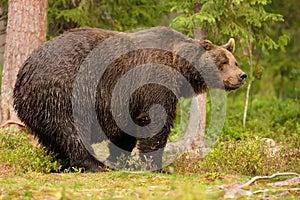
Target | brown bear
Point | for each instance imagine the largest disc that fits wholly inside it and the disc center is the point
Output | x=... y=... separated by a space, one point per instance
x=92 y=85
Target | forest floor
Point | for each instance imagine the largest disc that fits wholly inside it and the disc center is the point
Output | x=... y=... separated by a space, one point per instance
x=137 y=185
x=25 y=173
x=110 y=185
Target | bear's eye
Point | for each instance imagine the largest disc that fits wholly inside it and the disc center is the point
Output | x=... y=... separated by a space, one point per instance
x=224 y=62
x=236 y=64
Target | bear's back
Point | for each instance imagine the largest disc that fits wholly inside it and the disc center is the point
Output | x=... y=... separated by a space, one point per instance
x=43 y=88
x=64 y=54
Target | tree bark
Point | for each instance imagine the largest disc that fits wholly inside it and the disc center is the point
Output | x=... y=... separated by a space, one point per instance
x=26 y=30
x=193 y=142
x=199 y=102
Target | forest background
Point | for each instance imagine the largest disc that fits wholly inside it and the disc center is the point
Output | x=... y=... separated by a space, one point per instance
x=269 y=29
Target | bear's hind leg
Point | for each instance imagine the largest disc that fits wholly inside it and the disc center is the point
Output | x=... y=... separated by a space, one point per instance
x=78 y=154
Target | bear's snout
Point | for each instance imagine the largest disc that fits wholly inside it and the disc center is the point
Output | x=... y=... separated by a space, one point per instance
x=243 y=76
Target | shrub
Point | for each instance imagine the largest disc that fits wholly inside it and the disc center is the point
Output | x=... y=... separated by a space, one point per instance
x=250 y=157
x=18 y=154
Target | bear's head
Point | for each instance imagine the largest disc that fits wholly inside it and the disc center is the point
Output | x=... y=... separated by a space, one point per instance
x=227 y=66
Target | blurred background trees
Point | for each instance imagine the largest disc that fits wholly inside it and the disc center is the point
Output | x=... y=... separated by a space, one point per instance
x=121 y=15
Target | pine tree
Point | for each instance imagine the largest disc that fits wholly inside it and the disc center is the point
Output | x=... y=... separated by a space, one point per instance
x=26 y=30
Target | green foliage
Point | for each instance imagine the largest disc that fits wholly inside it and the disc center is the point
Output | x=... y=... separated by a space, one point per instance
x=4 y=9
x=249 y=157
x=66 y=14
x=182 y=119
x=21 y=156
x=285 y=64
x=114 y=15
x=268 y=117
x=128 y=14
x=228 y=18
x=119 y=15
x=244 y=152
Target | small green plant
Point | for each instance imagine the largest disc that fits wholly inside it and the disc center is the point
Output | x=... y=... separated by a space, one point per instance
x=134 y=163
x=268 y=117
x=251 y=156
x=20 y=155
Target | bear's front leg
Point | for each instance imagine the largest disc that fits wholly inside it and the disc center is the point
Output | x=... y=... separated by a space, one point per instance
x=120 y=148
x=151 y=150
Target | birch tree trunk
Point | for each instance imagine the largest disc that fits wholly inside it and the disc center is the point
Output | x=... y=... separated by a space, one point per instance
x=199 y=102
x=26 y=30
x=193 y=142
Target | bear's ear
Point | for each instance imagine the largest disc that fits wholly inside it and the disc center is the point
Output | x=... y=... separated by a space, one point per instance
x=230 y=45
x=206 y=44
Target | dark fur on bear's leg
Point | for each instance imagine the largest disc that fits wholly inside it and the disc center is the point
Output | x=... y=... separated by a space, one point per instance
x=151 y=150
x=121 y=146
x=90 y=164
x=80 y=157
x=76 y=154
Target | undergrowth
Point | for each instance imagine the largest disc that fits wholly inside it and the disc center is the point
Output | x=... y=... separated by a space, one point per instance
x=238 y=151
x=19 y=155
x=245 y=151
x=251 y=157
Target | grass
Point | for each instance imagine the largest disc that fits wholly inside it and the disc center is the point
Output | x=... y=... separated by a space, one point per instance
x=110 y=185
x=19 y=154
x=28 y=171
x=124 y=185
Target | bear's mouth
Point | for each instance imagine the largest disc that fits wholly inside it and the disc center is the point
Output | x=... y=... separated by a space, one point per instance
x=230 y=86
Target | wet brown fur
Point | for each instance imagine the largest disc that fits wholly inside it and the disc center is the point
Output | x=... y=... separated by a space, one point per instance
x=43 y=91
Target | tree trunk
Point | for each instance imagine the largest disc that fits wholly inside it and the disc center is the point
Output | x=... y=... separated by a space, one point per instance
x=193 y=142
x=199 y=101
x=26 y=30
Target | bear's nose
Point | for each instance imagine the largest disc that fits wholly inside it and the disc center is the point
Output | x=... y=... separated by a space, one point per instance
x=243 y=76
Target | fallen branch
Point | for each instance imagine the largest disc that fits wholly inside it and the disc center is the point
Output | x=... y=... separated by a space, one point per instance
x=234 y=190
x=292 y=181
x=9 y=123
x=275 y=190
x=254 y=179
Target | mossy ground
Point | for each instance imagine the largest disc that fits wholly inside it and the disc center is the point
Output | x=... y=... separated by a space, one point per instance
x=125 y=185
x=109 y=185
x=29 y=172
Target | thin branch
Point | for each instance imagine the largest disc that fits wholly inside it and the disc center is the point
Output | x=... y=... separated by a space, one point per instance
x=250 y=60
x=9 y=123
x=292 y=181
x=254 y=179
x=275 y=190
x=246 y=103
x=232 y=191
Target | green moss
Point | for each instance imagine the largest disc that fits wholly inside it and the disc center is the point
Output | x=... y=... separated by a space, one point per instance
x=20 y=155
